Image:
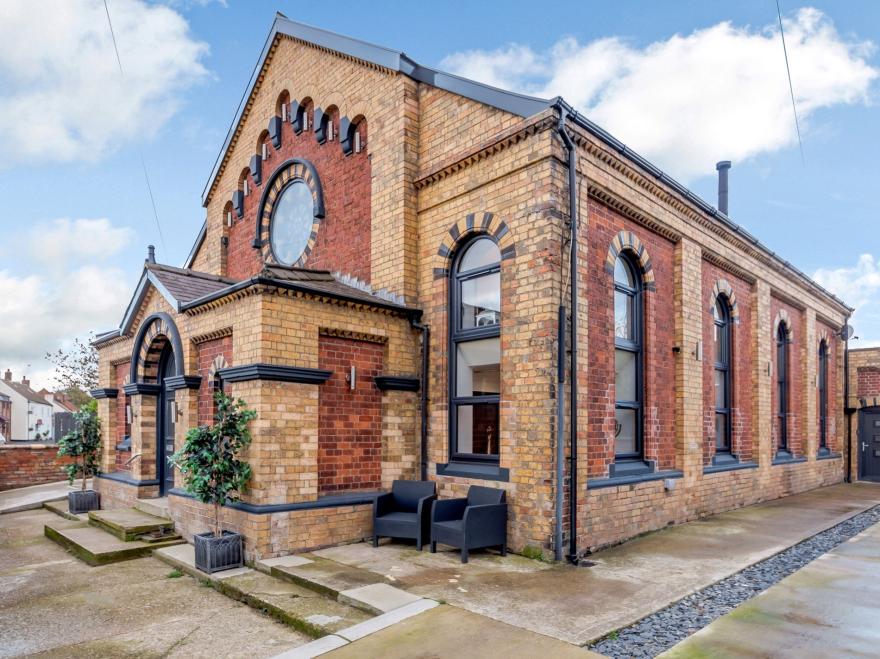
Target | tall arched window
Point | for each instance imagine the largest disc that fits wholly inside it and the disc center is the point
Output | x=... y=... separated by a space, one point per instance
x=782 y=385
x=628 y=337
x=475 y=354
x=722 y=376
x=823 y=396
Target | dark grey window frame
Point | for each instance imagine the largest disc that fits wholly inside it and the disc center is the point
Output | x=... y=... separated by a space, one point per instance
x=782 y=386
x=823 y=395
x=458 y=336
x=725 y=366
x=636 y=346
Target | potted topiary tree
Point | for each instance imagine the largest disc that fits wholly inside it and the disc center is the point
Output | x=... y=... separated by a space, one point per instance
x=214 y=475
x=82 y=444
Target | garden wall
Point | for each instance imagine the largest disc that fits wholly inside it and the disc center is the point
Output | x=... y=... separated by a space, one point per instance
x=30 y=464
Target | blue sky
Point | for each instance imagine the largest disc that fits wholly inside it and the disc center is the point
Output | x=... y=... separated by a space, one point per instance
x=77 y=217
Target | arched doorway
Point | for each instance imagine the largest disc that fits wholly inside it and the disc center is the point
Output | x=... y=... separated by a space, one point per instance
x=869 y=444
x=166 y=411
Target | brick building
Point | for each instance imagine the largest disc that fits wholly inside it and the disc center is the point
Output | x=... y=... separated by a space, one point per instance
x=385 y=275
x=863 y=414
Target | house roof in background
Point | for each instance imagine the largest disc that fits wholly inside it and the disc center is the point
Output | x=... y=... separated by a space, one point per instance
x=26 y=392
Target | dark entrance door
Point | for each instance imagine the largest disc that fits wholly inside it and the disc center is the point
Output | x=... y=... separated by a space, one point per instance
x=165 y=424
x=869 y=444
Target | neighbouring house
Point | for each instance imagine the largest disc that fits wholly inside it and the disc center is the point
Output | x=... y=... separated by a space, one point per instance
x=385 y=276
x=5 y=416
x=31 y=416
x=60 y=402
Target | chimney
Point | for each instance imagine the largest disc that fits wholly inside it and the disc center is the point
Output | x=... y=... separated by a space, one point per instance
x=25 y=381
x=723 y=167
x=151 y=253
x=8 y=375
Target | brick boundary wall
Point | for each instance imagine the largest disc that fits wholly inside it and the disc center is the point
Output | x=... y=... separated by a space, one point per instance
x=30 y=464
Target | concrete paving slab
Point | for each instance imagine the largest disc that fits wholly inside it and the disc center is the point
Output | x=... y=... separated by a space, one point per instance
x=129 y=523
x=325 y=576
x=53 y=605
x=827 y=609
x=62 y=509
x=377 y=598
x=627 y=582
x=385 y=620
x=95 y=546
x=266 y=564
x=183 y=557
x=447 y=631
x=33 y=497
x=313 y=649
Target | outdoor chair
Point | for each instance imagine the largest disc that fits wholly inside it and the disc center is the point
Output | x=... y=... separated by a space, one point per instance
x=405 y=512
x=478 y=521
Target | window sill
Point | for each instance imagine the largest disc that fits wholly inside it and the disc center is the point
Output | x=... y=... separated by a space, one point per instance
x=626 y=468
x=481 y=470
x=615 y=481
x=733 y=465
x=828 y=455
x=785 y=458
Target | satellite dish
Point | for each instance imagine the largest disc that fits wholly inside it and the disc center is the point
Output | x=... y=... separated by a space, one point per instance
x=847 y=332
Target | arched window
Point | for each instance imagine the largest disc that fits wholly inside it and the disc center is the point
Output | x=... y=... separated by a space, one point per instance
x=782 y=385
x=823 y=396
x=722 y=376
x=628 y=345
x=475 y=354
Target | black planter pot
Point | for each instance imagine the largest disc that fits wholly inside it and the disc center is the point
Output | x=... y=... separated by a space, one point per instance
x=82 y=502
x=215 y=554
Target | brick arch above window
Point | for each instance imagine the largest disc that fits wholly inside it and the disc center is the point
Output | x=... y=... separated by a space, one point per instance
x=155 y=332
x=783 y=317
x=627 y=241
x=471 y=224
x=723 y=287
x=218 y=363
x=823 y=335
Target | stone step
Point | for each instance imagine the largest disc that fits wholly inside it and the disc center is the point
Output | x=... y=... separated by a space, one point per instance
x=97 y=547
x=61 y=508
x=129 y=523
x=302 y=608
x=158 y=507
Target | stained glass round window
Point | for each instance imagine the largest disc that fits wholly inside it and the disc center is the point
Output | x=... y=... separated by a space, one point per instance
x=291 y=224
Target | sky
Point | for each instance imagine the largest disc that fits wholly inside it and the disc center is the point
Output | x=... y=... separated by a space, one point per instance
x=684 y=83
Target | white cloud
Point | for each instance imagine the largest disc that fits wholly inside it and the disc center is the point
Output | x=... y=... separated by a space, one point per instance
x=63 y=97
x=63 y=240
x=687 y=102
x=859 y=287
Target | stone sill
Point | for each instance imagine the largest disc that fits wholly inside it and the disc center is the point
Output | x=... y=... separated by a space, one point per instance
x=829 y=456
x=598 y=483
x=788 y=460
x=728 y=466
x=487 y=471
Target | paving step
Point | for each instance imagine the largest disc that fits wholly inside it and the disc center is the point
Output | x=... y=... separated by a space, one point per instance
x=158 y=507
x=129 y=523
x=320 y=574
x=97 y=547
x=302 y=608
x=61 y=508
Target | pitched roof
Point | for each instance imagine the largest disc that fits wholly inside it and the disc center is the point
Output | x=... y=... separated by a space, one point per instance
x=322 y=282
x=187 y=285
x=26 y=392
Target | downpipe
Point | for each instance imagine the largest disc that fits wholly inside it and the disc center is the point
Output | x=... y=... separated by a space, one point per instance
x=423 y=392
x=846 y=407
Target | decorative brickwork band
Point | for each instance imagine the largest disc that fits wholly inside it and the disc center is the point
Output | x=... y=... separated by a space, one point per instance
x=723 y=287
x=274 y=372
x=473 y=223
x=154 y=333
x=289 y=172
x=783 y=317
x=628 y=241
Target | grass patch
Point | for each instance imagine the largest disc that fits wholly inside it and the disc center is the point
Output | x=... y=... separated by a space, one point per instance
x=174 y=574
x=532 y=552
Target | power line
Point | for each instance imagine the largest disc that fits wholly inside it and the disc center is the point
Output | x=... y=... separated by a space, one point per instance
x=797 y=124
x=143 y=162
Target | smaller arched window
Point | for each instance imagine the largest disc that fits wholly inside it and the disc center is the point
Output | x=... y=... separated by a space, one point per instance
x=823 y=396
x=782 y=386
x=628 y=336
x=722 y=375
x=475 y=355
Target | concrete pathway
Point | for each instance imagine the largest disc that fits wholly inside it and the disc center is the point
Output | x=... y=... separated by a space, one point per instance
x=628 y=582
x=29 y=498
x=830 y=608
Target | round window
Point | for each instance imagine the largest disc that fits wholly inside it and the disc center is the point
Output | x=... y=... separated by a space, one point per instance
x=291 y=224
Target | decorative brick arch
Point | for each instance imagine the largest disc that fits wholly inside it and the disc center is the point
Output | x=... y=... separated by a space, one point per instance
x=473 y=223
x=218 y=363
x=723 y=287
x=154 y=334
x=783 y=317
x=288 y=172
x=627 y=241
x=823 y=335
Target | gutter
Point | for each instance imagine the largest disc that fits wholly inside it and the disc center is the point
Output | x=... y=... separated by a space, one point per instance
x=423 y=406
x=564 y=110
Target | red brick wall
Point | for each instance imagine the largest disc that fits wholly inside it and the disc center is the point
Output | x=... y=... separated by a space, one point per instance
x=869 y=381
x=122 y=428
x=207 y=352
x=659 y=365
x=796 y=358
x=349 y=422
x=834 y=408
x=742 y=374
x=30 y=465
x=343 y=240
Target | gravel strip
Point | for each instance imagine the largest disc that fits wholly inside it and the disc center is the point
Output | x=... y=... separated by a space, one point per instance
x=663 y=629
